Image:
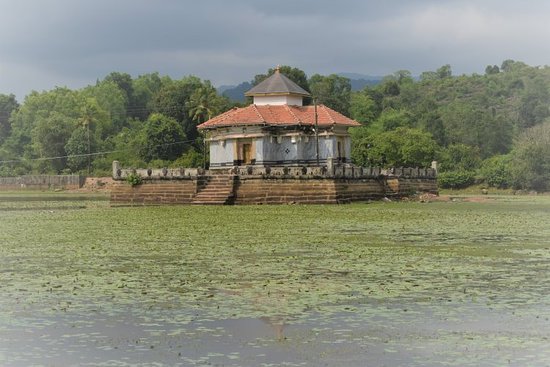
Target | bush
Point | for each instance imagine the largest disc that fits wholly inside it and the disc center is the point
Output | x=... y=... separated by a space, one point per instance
x=161 y=138
x=456 y=179
x=531 y=159
x=190 y=159
x=402 y=147
x=459 y=157
x=496 y=172
x=134 y=179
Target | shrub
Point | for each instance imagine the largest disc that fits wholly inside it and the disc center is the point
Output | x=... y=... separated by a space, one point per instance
x=496 y=172
x=190 y=159
x=456 y=179
x=134 y=179
x=459 y=157
x=402 y=147
x=531 y=159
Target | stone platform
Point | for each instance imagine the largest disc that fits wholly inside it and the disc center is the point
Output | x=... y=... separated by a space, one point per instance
x=332 y=184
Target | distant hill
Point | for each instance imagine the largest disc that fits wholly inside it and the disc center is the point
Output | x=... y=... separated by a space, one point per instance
x=235 y=93
x=358 y=82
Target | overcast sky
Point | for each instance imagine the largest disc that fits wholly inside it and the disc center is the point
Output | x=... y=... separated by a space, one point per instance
x=48 y=43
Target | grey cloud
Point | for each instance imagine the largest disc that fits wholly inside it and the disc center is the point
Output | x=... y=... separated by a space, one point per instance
x=76 y=42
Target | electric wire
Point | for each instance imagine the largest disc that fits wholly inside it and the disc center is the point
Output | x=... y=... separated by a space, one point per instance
x=85 y=154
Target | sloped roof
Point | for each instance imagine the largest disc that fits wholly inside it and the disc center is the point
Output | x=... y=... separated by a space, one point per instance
x=282 y=115
x=277 y=83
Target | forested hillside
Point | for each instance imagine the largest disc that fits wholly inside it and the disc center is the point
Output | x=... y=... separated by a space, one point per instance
x=492 y=128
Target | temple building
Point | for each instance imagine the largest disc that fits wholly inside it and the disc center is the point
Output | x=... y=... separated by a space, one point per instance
x=274 y=151
x=278 y=130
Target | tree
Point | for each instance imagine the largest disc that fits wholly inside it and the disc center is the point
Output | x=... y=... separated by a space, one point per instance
x=390 y=87
x=402 y=147
x=172 y=101
x=492 y=69
x=496 y=171
x=429 y=119
x=444 y=72
x=94 y=118
x=49 y=137
x=77 y=148
x=296 y=75
x=161 y=138
x=333 y=91
x=471 y=123
x=360 y=146
x=509 y=66
x=145 y=88
x=362 y=107
x=112 y=100
x=8 y=104
x=534 y=103
x=205 y=103
x=391 y=119
x=124 y=82
x=459 y=157
x=37 y=108
x=531 y=159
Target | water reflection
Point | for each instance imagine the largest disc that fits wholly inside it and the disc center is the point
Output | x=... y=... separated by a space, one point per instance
x=277 y=324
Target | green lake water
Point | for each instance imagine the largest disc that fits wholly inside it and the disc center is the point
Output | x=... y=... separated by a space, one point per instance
x=380 y=284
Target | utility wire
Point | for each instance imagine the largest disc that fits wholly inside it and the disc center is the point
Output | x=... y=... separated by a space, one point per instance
x=86 y=154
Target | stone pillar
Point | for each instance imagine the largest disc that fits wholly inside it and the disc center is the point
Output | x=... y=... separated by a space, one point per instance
x=116 y=169
x=330 y=166
x=435 y=166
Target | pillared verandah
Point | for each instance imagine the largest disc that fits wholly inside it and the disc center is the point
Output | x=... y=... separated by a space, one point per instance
x=278 y=130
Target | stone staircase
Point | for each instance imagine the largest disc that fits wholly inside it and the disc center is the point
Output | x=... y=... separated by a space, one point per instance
x=218 y=190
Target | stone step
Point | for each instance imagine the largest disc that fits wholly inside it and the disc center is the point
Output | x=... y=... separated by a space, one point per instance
x=209 y=202
x=217 y=190
x=214 y=191
x=214 y=187
x=212 y=197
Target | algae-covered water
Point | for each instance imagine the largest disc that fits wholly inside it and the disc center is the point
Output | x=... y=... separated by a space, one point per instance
x=379 y=284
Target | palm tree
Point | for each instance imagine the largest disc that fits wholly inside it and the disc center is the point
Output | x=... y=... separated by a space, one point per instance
x=204 y=103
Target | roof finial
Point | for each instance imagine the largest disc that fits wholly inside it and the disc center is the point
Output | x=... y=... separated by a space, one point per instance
x=278 y=69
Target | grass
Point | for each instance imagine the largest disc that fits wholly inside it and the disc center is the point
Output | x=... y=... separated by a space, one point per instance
x=180 y=264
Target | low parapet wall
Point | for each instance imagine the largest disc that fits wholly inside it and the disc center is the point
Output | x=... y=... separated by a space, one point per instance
x=331 y=171
x=42 y=182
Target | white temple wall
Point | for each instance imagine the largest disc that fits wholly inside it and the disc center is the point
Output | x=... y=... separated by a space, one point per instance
x=222 y=152
x=278 y=100
x=292 y=149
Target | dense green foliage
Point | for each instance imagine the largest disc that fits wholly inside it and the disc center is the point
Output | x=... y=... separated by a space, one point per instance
x=531 y=158
x=7 y=105
x=402 y=147
x=463 y=122
x=488 y=128
x=120 y=118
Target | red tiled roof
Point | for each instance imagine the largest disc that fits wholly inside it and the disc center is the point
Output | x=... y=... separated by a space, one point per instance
x=282 y=115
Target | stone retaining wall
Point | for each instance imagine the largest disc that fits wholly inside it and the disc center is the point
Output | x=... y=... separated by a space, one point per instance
x=275 y=185
x=259 y=190
x=404 y=186
x=42 y=182
x=155 y=192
